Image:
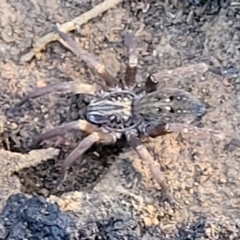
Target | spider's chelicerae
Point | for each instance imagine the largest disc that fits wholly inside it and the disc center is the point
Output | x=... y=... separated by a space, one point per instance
x=126 y=108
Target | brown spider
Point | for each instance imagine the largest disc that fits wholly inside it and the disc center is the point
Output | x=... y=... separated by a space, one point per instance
x=126 y=109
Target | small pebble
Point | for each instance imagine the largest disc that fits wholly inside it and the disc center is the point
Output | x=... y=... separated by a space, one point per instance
x=14 y=126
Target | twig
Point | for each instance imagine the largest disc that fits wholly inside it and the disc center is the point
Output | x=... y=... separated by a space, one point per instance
x=69 y=26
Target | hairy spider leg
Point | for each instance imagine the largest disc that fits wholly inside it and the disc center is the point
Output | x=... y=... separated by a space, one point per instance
x=88 y=58
x=131 y=70
x=81 y=125
x=84 y=145
x=182 y=72
x=95 y=136
x=65 y=87
x=157 y=175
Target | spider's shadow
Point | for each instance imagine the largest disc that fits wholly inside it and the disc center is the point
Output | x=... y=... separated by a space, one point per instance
x=83 y=175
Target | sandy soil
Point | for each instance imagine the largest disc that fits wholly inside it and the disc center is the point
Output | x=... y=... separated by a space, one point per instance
x=109 y=194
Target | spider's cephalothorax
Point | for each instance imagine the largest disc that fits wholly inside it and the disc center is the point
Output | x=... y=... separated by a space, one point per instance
x=133 y=110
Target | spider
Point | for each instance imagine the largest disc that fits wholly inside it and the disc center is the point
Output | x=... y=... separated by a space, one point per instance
x=126 y=107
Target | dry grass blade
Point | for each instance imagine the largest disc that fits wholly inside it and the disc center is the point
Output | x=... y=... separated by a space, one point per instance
x=17 y=161
x=69 y=26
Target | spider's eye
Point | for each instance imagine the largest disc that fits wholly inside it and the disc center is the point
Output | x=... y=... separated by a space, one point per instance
x=170 y=109
x=171 y=98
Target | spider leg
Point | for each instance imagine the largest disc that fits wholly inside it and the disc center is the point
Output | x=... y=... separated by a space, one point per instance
x=83 y=88
x=144 y=154
x=84 y=145
x=154 y=131
x=156 y=173
x=81 y=125
x=131 y=71
x=87 y=57
x=188 y=71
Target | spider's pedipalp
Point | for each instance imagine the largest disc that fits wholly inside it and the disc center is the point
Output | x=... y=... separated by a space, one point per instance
x=80 y=125
x=155 y=131
x=151 y=84
x=66 y=87
x=88 y=58
x=131 y=70
x=201 y=132
x=84 y=145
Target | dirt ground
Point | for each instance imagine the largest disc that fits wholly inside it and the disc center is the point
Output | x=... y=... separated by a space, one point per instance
x=109 y=194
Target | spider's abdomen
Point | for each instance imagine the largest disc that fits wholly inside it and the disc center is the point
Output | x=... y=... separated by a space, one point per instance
x=113 y=111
